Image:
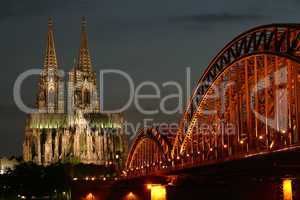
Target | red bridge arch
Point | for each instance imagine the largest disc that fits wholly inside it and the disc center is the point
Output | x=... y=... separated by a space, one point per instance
x=263 y=47
x=150 y=151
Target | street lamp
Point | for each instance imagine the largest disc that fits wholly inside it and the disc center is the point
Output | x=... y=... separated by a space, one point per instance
x=117 y=157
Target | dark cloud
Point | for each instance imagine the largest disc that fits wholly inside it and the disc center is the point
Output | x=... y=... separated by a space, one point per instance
x=223 y=17
x=20 y=8
x=9 y=109
x=17 y=8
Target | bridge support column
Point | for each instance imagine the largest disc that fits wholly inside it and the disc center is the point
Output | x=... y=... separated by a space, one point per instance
x=287 y=189
x=157 y=192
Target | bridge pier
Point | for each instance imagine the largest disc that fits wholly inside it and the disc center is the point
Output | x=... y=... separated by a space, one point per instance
x=191 y=188
x=287 y=189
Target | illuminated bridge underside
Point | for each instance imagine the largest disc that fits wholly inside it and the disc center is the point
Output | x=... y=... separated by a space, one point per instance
x=246 y=102
x=149 y=151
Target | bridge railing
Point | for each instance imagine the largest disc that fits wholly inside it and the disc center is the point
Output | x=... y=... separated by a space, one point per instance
x=174 y=166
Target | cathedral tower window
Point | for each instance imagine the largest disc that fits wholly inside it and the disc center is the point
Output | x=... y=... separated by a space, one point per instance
x=87 y=97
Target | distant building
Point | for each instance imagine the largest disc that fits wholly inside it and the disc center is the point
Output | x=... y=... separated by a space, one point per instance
x=7 y=164
x=81 y=134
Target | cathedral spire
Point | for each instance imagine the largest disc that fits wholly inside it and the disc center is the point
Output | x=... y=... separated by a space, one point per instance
x=50 y=60
x=50 y=93
x=84 y=60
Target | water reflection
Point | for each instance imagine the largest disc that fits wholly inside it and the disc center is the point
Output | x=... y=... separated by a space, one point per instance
x=131 y=196
x=89 y=196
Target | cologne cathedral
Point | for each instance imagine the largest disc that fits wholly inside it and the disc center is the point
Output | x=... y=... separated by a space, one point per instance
x=78 y=132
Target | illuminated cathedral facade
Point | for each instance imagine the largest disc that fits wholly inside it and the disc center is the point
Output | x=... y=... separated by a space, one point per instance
x=77 y=132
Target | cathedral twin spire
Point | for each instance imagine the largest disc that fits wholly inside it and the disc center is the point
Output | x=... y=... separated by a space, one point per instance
x=84 y=60
x=50 y=96
x=50 y=60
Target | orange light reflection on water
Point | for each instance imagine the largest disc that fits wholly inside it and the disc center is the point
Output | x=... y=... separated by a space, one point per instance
x=89 y=196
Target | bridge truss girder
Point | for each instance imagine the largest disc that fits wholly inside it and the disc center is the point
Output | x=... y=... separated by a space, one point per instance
x=255 y=47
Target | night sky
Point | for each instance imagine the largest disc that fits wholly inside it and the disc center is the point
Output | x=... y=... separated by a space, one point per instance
x=150 y=40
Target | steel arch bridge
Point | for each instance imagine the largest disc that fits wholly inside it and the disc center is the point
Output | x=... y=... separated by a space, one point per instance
x=246 y=102
x=149 y=152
